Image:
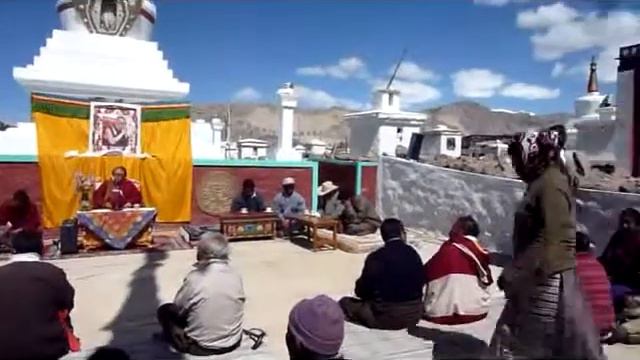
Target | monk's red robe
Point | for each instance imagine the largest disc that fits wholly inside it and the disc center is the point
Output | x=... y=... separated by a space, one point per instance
x=117 y=195
x=30 y=221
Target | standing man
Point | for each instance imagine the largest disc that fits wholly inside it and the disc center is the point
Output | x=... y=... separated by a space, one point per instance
x=36 y=299
x=117 y=192
x=288 y=202
x=389 y=290
x=248 y=199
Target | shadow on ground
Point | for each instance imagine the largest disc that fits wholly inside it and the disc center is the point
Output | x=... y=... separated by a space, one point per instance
x=449 y=345
x=133 y=327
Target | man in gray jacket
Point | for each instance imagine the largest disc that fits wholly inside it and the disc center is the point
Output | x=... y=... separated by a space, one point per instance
x=207 y=314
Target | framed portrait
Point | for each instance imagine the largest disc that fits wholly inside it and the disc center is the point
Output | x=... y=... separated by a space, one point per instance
x=114 y=127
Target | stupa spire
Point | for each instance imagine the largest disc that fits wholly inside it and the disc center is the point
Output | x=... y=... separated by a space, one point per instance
x=592 y=85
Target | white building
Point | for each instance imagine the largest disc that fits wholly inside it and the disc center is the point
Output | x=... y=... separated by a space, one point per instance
x=19 y=140
x=317 y=147
x=380 y=130
x=255 y=149
x=441 y=140
x=288 y=104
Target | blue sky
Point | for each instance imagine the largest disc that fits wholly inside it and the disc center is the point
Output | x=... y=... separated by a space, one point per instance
x=514 y=54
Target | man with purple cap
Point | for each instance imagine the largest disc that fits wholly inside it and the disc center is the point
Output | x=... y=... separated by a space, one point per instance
x=315 y=330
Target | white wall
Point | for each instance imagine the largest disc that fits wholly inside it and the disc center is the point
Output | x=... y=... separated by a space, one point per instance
x=387 y=140
x=19 y=140
x=457 y=149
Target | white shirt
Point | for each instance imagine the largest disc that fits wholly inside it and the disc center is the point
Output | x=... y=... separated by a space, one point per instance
x=212 y=297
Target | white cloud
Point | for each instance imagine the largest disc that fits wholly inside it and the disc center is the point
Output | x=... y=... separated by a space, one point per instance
x=556 y=36
x=247 y=94
x=491 y=2
x=561 y=69
x=529 y=92
x=315 y=98
x=545 y=16
x=344 y=69
x=477 y=83
x=411 y=71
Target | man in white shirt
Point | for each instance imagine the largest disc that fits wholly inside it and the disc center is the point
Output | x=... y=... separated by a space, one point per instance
x=207 y=313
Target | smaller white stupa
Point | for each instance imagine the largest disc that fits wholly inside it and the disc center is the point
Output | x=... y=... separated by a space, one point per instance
x=379 y=131
x=288 y=104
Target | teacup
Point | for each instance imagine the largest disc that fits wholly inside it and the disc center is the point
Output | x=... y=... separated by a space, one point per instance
x=306 y=212
x=244 y=210
x=268 y=210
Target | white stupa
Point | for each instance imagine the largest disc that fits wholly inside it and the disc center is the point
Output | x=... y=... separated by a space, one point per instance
x=381 y=130
x=103 y=51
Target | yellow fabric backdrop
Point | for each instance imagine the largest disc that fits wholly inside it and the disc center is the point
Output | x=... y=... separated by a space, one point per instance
x=166 y=178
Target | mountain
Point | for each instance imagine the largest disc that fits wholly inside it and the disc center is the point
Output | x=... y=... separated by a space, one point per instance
x=261 y=120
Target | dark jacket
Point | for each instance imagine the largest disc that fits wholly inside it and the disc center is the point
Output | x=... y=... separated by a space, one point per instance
x=545 y=228
x=621 y=258
x=253 y=203
x=392 y=273
x=31 y=294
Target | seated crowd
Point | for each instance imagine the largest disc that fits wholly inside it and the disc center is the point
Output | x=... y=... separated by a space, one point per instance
x=395 y=291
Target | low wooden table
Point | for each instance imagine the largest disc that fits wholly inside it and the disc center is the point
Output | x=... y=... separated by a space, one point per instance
x=312 y=224
x=248 y=226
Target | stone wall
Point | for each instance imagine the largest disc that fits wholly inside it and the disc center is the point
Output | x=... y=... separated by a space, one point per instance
x=431 y=197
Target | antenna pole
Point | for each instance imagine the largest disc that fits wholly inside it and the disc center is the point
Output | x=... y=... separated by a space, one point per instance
x=395 y=71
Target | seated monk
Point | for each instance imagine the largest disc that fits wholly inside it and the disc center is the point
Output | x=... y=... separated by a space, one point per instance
x=621 y=258
x=16 y=215
x=458 y=278
x=360 y=217
x=118 y=192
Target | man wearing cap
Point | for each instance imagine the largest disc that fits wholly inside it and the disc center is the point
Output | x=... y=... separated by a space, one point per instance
x=330 y=205
x=248 y=199
x=288 y=202
x=315 y=330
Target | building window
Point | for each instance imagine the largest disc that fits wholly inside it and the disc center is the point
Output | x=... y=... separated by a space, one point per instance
x=390 y=99
x=399 y=134
x=451 y=144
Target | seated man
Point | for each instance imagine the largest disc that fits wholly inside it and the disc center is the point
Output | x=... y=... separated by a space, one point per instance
x=117 y=192
x=458 y=278
x=248 y=199
x=34 y=295
x=330 y=205
x=207 y=314
x=315 y=330
x=16 y=215
x=390 y=287
x=360 y=216
x=288 y=202
x=594 y=283
x=621 y=258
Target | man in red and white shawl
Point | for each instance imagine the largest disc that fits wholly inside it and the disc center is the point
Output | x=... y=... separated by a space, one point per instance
x=458 y=277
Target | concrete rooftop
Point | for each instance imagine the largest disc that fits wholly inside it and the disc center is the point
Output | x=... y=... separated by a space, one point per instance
x=116 y=296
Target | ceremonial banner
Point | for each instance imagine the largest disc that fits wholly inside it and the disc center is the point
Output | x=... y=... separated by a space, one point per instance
x=114 y=127
x=165 y=177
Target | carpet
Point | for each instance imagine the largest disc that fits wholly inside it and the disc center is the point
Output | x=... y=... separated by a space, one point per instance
x=166 y=237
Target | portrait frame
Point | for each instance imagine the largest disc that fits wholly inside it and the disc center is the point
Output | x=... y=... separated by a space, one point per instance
x=115 y=127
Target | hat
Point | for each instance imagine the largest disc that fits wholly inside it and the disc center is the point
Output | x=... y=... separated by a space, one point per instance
x=326 y=187
x=318 y=324
x=288 y=181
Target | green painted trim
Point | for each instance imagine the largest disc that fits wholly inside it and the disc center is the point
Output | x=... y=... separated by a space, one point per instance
x=358 y=178
x=64 y=110
x=314 y=186
x=18 y=158
x=83 y=111
x=254 y=163
x=165 y=114
x=368 y=163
